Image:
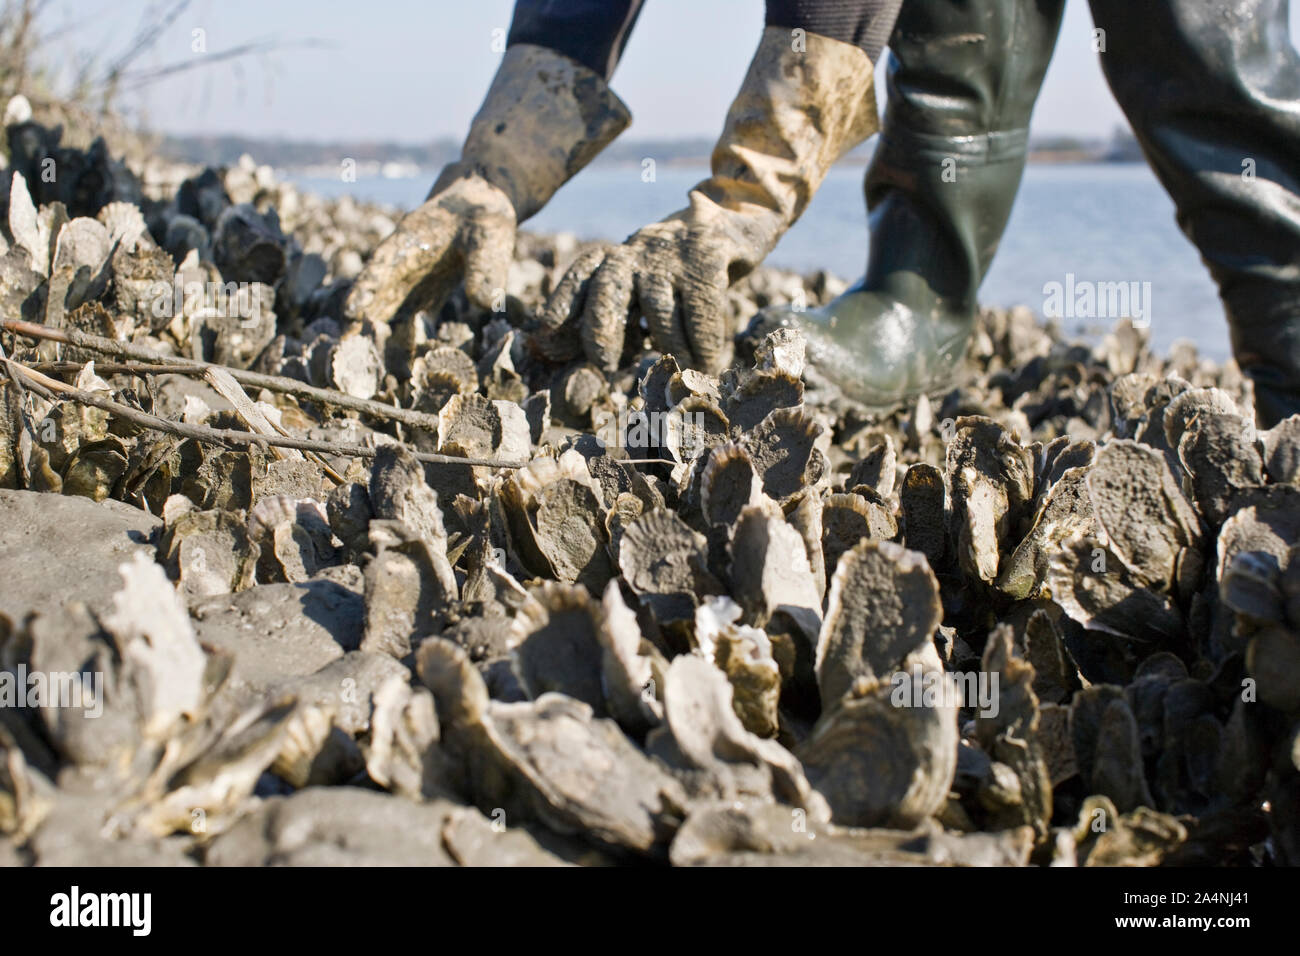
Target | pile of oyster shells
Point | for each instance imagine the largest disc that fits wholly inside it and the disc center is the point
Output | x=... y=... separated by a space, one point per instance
x=711 y=621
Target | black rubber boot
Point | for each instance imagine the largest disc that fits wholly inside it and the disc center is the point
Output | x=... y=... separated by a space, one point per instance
x=963 y=78
x=1212 y=91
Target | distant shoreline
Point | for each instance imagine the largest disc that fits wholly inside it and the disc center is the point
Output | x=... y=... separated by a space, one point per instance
x=393 y=160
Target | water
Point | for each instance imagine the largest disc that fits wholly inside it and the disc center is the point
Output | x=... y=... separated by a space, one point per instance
x=1100 y=223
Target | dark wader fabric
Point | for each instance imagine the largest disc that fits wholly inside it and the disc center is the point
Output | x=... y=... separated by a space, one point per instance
x=1212 y=90
x=595 y=32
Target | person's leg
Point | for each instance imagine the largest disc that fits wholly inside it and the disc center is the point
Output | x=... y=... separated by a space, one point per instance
x=1212 y=91
x=963 y=78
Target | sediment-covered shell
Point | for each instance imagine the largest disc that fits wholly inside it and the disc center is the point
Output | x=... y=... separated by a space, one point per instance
x=850 y=518
x=878 y=763
x=556 y=646
x=759 y=393
x=1217 y=447
x=744 y=655
x=877 y=468
x=550 y=760
x=207 y=552
x=665 y=564
x=770 y=572
x=728 y=484
x=478 y=427
x=990 y=484
x=783 y=447
x=1063 y=510
x=407 y=583
x=883 y=606
x=293 y=536
x=1281 y=450
x=440 y=374
x=921 y=501
x=1141 y=510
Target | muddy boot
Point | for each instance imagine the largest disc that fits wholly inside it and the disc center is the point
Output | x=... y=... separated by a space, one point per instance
x=962 y=83
x=1215 y=104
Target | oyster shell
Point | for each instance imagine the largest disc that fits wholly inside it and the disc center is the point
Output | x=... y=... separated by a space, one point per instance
x=881 y=764
x=1281 y=450
x=990 y=485
x=408 y=582
x=783 y=448
x=921 y=500
x=207 y=552
x=293 y=536
x=883 y=607
x=550 y=760
x=770 y=572
x=744 y=655
x=556 y=645
x=703 y=735
x=665 y=564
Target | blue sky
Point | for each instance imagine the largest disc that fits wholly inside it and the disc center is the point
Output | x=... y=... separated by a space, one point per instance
x=413 y=71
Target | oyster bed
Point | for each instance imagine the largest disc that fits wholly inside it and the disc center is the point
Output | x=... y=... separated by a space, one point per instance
x=709 y=621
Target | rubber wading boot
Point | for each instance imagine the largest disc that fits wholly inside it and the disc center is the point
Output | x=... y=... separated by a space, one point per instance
x=1215 y=104
x=963 y=78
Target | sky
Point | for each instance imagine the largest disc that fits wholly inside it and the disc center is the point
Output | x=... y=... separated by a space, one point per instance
x=416 y=70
